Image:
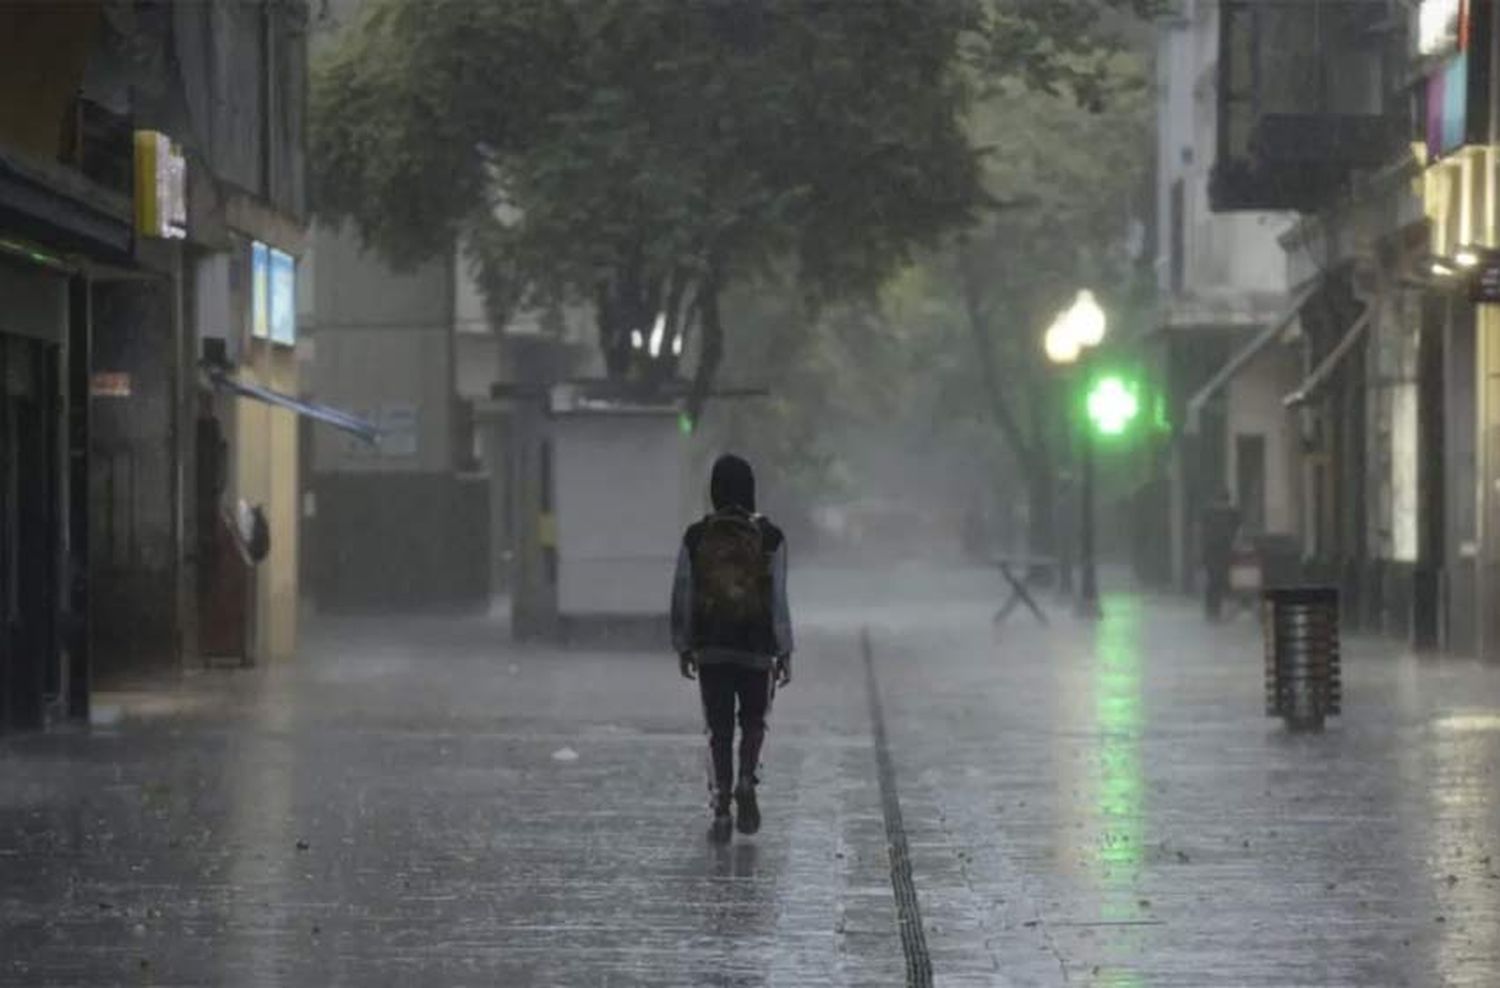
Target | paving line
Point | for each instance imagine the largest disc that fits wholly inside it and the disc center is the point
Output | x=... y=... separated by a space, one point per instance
x=908 y=910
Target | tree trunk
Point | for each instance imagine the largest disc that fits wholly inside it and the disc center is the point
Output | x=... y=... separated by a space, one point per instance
x=1044 y=538
x=1034 y=456
x=661 y=366
x=712 y=352
x=628 y=303
x=614 y=334
x=1041 y=502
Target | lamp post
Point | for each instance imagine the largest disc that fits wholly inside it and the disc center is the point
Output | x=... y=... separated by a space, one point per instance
x=1075 y=332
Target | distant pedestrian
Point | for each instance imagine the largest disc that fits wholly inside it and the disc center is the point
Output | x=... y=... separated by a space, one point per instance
x=732 y=631
x=1220 y=527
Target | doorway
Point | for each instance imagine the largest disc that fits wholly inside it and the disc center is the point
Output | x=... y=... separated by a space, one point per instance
x=1250 y=481
x=31 y=675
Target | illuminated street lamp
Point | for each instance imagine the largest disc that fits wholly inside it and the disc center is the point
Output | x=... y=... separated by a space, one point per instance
x=1086 y=320
x=1061 y=346
x=1076 y=330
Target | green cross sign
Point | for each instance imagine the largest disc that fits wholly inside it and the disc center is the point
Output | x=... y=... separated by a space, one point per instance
x=1112 y=405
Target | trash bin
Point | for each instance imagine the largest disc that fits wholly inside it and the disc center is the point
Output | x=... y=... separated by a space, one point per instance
x=1302 y=655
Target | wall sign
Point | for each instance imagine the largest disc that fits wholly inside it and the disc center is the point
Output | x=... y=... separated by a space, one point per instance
x=1448 y=107
x=273 y=292
x=160 y=187
x=260 y=291
x=283 y=298
x=1485 y=286
x=398 y=430
x=110 y=384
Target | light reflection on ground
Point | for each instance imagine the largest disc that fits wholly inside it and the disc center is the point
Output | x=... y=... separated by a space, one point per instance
x=1120 y=794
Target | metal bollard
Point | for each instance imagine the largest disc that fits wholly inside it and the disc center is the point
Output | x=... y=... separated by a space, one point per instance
x=1302 y=655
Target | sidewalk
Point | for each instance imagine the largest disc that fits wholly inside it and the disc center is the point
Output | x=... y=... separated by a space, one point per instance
x=419 y=802
x=1110 y=806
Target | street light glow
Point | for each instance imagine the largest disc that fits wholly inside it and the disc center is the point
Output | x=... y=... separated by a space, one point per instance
x=1086 y=319
x=1077 y=328
x=658 y=334
x=1061 y=346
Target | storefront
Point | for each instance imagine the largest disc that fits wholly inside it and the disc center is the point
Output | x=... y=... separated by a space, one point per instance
x=54 y=228
x=1460 y=315
x=33 y=321
x=251 y=412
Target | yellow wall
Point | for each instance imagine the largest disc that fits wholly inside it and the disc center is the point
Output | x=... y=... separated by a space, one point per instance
x=1461 y=194
x=1455 y=196
x=266 y=474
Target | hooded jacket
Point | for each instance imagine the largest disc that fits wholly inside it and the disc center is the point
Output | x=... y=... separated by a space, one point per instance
x=732 y=490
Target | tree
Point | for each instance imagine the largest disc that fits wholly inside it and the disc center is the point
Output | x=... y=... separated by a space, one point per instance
x=643 y=154
x=646 y=155
x=1076 y=167
x=949 y=354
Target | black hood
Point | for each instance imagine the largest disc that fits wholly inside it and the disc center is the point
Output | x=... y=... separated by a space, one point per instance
x=732 y=484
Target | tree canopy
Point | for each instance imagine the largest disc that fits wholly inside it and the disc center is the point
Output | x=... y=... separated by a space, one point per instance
x=946 y=363
x=644 y=155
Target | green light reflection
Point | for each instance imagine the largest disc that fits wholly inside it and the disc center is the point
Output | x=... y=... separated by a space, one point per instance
x=1121 y=789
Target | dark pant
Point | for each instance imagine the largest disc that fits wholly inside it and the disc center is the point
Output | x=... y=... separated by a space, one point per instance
x=721 y=686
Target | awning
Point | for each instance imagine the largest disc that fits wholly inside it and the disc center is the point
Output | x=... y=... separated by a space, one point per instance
x=320 y=413
x=1330 y=363
x=1244 y=355
x=52 y=205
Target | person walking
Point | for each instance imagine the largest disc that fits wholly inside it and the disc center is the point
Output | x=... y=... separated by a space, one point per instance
x=732 y=631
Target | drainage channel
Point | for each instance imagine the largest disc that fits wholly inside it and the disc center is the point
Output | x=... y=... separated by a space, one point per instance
x=908 y=910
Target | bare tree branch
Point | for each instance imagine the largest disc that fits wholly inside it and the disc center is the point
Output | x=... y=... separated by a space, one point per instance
x=711 y=325
x=979 y=328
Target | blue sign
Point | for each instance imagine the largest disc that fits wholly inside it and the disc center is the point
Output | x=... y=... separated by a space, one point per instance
x=283 y=299
x=260 y=294
x=1447 y=107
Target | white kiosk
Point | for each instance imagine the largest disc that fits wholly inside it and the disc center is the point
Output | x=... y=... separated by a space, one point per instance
x=617 y=471
x=600 y=516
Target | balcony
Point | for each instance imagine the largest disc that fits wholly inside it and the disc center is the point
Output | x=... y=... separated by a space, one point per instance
x=1309 y=93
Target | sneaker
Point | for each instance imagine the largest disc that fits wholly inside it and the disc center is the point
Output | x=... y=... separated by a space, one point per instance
x=723 y=825
x=749 y=808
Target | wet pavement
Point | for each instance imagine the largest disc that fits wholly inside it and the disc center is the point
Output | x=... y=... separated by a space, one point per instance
x=419 y=802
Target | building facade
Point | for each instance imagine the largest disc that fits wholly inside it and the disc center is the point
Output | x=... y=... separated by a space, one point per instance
x=402 y=522
x=63 y=211
x=1374 y=122
x=1222 y=284
x=155 y=156
x=1451 y=320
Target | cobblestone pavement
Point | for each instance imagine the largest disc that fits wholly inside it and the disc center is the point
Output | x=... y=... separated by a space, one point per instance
x=419 y=802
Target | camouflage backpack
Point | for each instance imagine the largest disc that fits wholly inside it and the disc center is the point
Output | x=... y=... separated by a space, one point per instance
x=731 y=576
